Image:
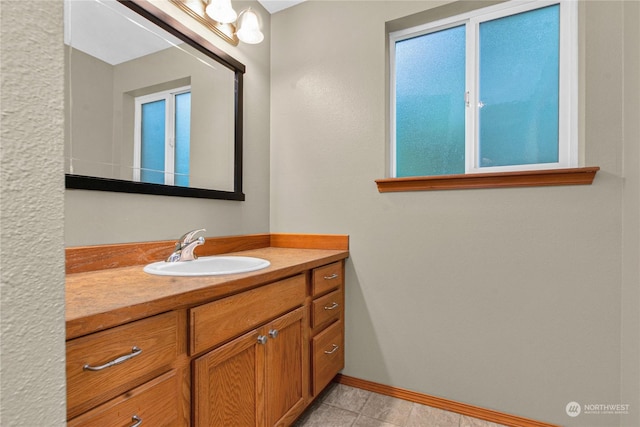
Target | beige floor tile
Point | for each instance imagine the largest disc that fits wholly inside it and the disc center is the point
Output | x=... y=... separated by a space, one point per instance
x=422 y=416
x=388 y=409
x=363 y=421
x=345 y=406
x=475 y=422
x=325 y=416
x=345 y=397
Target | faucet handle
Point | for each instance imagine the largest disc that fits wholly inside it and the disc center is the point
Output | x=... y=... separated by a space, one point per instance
x=185 y=246
x=188 y=238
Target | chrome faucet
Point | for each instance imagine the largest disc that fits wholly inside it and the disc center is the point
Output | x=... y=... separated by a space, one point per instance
x=185 y=246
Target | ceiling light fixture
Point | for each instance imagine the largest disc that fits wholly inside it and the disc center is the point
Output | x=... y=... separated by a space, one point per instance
x=220 y=17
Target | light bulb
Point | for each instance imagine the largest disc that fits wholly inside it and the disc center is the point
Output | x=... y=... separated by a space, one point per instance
x=221 y=11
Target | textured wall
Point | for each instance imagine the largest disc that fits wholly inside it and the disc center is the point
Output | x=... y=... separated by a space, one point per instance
x=31 y=206
x=508 y=299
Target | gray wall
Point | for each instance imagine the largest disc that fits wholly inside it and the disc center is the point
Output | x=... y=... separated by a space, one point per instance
x=32 y=390
x=88 y=115
x=509 y=299
x=99 y=217
x=630 y=337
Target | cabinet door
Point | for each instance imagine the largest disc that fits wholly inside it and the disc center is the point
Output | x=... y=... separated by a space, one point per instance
x=285 y=370
x=227 y=381
x=258 y=379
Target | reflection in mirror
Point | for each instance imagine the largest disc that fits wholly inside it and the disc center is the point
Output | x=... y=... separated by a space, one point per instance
x=148 y=110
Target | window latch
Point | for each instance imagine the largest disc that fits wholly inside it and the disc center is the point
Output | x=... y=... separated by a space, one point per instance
x=466 y=98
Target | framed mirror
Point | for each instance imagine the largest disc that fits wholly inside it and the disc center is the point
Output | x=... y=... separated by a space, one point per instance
x=151 y=106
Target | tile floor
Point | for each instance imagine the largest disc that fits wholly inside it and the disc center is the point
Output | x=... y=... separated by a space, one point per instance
x=344 y=406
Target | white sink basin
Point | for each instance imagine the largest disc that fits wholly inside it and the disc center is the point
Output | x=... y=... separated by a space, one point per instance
x=208 y=266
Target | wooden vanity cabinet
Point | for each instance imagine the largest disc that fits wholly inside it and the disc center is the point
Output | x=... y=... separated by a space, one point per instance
x=256 y=358
x=155 y=403
x=255 y=380
x=216 y=322
x=126 y=373
x=327 y=327
x=327 y=350
x=260 y=378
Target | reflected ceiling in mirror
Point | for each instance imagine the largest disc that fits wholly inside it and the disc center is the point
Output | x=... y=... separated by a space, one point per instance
x=150 y=107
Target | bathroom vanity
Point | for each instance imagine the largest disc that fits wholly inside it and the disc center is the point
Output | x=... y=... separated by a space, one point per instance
x=249 y=349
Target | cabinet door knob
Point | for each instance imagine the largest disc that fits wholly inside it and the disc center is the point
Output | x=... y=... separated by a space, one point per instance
x=134 y=352
x=262 y=339
x=273 y=333
x=138 y=421
x=333 y=276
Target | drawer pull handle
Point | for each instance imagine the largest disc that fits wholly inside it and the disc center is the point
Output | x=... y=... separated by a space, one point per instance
x=138 y=421
x=135 y=351
x=333 y=306
x=333 y=276
x=333 y=350
x=273 y=333
x=262 y=339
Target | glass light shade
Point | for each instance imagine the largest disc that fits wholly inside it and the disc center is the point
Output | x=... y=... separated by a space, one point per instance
x=249 y=27
x=221 y=11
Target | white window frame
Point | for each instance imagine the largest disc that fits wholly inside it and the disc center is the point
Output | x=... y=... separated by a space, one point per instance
x=169 y=96
x=568 y=83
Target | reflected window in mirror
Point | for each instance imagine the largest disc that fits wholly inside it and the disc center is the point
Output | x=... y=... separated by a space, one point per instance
x=151 y=106
x=162 y=137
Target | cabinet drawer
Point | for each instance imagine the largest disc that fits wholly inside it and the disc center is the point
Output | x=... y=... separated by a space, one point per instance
x=326 y=308
x=214 y=323
x=328 y=355
x=155 y=403
x=126 y=356
x=327 y=278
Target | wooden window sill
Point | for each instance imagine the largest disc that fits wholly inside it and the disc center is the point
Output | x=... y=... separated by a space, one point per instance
x=537 y=178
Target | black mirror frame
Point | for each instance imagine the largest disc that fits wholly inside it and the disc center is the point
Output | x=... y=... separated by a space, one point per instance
x=171 y=25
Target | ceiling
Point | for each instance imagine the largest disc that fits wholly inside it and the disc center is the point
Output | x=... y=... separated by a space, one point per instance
x=104 y=29
x=274 y=6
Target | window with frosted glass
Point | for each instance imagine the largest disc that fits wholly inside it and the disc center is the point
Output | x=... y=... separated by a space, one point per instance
x=518 y=88
x=152 y=150
x=429 y=103
x=491 y=90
